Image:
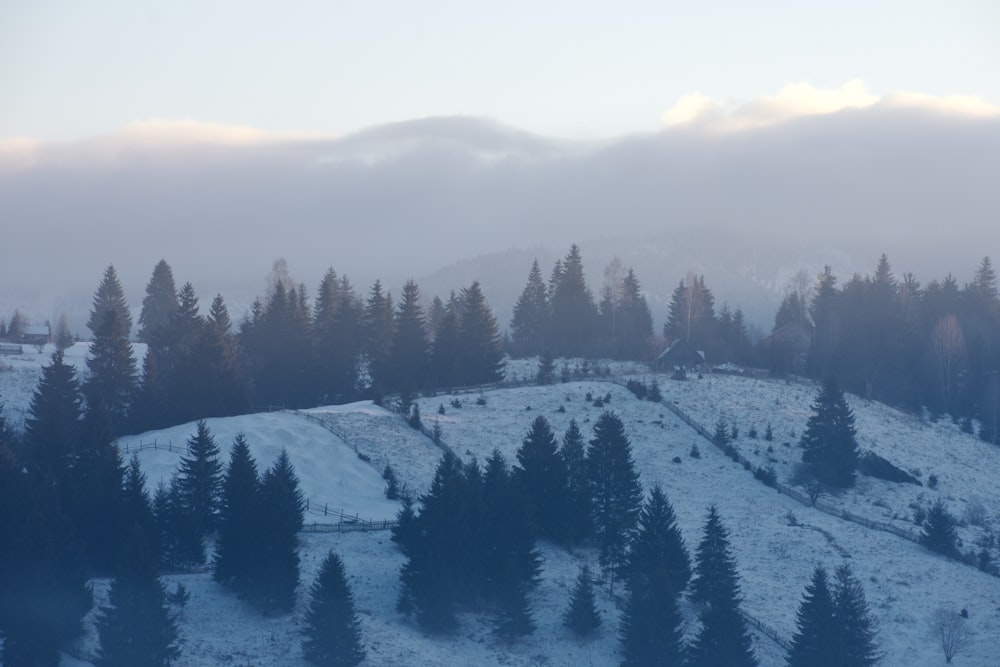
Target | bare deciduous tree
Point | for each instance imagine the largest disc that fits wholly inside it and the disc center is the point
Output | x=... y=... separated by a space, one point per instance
x=952 y=630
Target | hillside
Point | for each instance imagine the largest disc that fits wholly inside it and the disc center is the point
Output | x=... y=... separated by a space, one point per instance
x=776 y=540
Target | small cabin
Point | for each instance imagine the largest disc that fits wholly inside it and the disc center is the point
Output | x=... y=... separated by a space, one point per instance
x=681 y=354
x=36 y=334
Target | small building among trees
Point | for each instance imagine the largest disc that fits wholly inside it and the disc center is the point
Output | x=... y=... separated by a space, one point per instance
x=681 y=354
x=35 y=334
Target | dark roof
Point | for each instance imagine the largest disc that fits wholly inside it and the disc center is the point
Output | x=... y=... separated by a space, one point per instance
x=681 y=352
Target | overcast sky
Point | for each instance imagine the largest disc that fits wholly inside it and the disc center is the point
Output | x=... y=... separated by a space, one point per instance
x=577 y=69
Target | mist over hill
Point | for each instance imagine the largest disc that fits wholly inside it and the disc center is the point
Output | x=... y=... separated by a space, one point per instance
x=746 y=208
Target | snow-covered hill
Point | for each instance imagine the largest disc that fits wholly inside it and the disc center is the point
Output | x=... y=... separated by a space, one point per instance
x=776 y=540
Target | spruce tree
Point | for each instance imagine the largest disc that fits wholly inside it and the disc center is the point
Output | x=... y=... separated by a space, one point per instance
x=201 y=479
x=574 y=317
x=480 y=343
x=111 y=382
x=53 y=428
x=723 y=638
x=136 y=627
x=138 y=520
x=854 y=640
x=814 y=641
x=656 y=573
x=379 y=326
x=235 y=563
x=579 y=499
x=332 y=629
x=582 y=617
x=282 y=508
x=409 y=355
x=159 y=304
x=531 y=315
x=616 y=492
x=447 y=366
x=541 y=476
x=337 y=329
x=830 y=450
x=939 y=530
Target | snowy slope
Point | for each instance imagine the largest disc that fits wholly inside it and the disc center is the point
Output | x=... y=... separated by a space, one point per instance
x=19 y=375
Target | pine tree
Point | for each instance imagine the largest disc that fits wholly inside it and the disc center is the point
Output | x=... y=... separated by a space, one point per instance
x=616 y=492
x=531 y=315
x=541 y=476
x=546 y=368
x=582 y=616
x=332 y=629
x=447 y=366
x=136 y=627
x=814 y=642
x=201 y=480
x=339 y=339
x=854 y=641
x=830 y=449
x=53 y=427
x=235 y=563
x=579 y=500
x=723 y=638
x=280 y=519
x=480 y=343
x=379 y=326
x=138 y=522
x=409 y=356
x=656 y=573
x=939 y=530
x=574 y=318
x=159 y=304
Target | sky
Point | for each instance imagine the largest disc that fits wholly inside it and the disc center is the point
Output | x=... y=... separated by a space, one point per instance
x=578 y=69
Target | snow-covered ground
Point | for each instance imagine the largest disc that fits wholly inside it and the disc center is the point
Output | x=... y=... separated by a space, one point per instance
x=904 y=583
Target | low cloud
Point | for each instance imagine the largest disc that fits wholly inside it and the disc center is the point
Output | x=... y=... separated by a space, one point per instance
x=796 y=100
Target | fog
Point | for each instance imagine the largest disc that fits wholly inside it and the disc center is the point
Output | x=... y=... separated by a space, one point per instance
x=412 y=198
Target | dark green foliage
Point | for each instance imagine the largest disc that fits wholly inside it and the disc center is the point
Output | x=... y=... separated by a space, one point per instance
x=332 y=630
x=409 y=358
x=414 y=419
x=391 y=483
x=200 y=480
x=182 y=545
x=723 y=638
x=480 y=343
x=656 y=573
x=379 y=325
x=138 y=520
x=579 y=504
x=546 y=368
x=814 y=642
x=96 y=497
x=722 y=436
x=159 y=304
x=279 y=521
x=769 y=433
x=541 y=477
x=615 y=491
x=339 y=339
x=530 y=322
x=654 y=394
x=136 y=628
x=830 y=450
x=445 y=363
x=235 y=564
x=574 y=318
x=111 y=383
x=582 y=617
x=854 y=643
x=939 y=530
x=53 y=427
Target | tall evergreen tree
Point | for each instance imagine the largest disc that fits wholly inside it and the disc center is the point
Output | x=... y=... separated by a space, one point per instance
x=656 y=572
x=282 y=507
x=723 y=638
x=616 y=492
x=531 y=315
x=541 y=476
x=379 y=332
x=854 y=643
x=579 y=503
x=200 y=480
x=939 y=530
x=159 y=304
x=136 y=627
x=830 y=449
x=814 y=642
x=408 y=358
x=480 y=343
x=574 y=318
x=138 y=520
x=53 y=428
x=112 y=379
x=446 y=365
x=332 y=630
x=339 y=338
x=235 y=562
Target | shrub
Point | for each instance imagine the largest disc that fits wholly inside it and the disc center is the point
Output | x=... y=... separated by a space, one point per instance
x=766 y=475
x=441 y=409
x=677 y=459
x=939 y=531
x=695 y=454
x=932 y=482
x=481 y=400
x=769 y=433
x=752 y=433
x=561 y=408
x=455 y=403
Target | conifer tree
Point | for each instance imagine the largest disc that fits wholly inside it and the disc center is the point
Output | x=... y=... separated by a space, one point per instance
x=159 y=304
x=332 y=629
x=281 y=517
x=616 y=492
x=656 y=573
x=574 y=317
x=582 y=617
x=138 y=520
x=939 y=530
x=136 y=627
x=531 y=315
x=201 y=480
x=723 y=638
x=447 y=366
x=112 y=379
x=541 y=476
x=579 y=505
x=339 y=338
x=379 y=333
x=854 y=643
x=235 y=564
x=830 y=449
x=814 y=642
x=53 y=428
x=480 y=343
x=408 y=358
